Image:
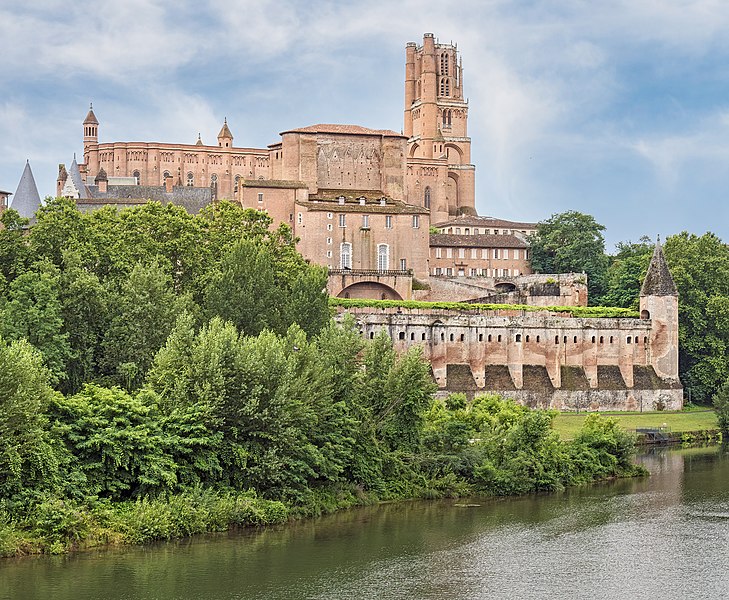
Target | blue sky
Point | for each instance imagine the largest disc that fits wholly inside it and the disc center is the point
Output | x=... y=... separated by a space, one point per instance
x=618 y=108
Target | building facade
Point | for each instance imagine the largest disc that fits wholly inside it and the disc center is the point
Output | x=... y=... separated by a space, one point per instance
x=551 y=360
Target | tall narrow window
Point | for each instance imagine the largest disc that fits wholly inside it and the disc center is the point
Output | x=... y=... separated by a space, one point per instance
x=426 y=199
x=342 y=220
x=383 y=257
x=236 y=185
x=136 y=176
x=416 y=221
x=388 y=222
x=260 y=197
x=345 y=254
x=444 y=64
x=403 y=264
x=365 y=221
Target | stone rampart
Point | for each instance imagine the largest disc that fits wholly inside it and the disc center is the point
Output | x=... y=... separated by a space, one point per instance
x=539 y=358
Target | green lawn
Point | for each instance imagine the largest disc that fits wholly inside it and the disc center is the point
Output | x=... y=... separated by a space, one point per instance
x=568 y=424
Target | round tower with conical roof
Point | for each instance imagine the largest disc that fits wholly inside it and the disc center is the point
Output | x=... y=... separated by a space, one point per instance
x=659 y=303
x=225 y=137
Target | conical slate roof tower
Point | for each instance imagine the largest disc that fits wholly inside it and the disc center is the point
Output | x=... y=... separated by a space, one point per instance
x=26 y=199
x=658 y=280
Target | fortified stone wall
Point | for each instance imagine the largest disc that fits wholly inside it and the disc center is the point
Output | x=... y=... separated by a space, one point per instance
x=538 y=358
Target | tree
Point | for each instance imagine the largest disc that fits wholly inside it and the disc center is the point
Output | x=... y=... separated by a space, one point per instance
x=700 y=268
x=721 y=405
x=29 y=460
x=117 y=440
x=571 y=242
x=626 y=272
x=14 y=251
x=146 y=309
x=33 y=312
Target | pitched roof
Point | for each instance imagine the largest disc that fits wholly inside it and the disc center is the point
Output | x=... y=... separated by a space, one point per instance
x=225 y=131
x=78 y=181
x=343 y=129
x=658 y=280
x=193 y=199
x=476 y=221
x=476 y=241
x=26 y=199
x=91 y=117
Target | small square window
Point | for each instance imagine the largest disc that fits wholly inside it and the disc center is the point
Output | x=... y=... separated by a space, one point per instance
x=260 y=197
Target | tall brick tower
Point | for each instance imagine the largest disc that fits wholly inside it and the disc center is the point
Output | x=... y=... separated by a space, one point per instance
x=440 y=174
x=91 y=141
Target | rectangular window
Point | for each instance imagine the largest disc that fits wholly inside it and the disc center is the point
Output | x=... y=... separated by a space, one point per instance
x=329 y=253
x=438 y=271
x=461 y=253
x=403 y=264
x=329 y=215
x=329 y=241
x=449 y=252
x=484 y=253
x=388 y=222
x=474 y=253
x=416 y=221
x=497 y=253
x=260 y=197
x=342 y=220
x=329 y=226
x=449 y=272
x=439 y=252
x=365 y=221
x=516 y=272
x=506 y=253
x=516 y=254
x=473 y=272
x=300 y=218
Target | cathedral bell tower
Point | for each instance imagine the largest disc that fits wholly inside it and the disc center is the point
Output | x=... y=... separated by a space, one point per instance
x=441 y=176
x=91 y=141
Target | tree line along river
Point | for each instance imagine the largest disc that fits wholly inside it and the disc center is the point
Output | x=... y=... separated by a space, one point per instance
x=664 y=536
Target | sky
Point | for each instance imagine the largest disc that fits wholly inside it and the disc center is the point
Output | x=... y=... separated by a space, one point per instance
x=617 y=108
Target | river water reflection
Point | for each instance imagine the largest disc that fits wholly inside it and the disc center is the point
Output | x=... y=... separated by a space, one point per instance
x=666 y=536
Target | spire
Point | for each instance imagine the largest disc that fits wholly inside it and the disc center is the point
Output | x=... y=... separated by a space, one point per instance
x=658 y=280
x=74 y=186
x=225 y=135
x=26 y=199
x=199 y=141
x=91 y=117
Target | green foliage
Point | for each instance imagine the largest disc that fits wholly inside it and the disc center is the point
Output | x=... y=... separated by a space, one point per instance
x=33 y=312
x=700 y=268
x=146 y=310
x=576 y=311
x=721 y=405
x=117 y=440
x=571 y=242
x=626 y=273
x=30 y=461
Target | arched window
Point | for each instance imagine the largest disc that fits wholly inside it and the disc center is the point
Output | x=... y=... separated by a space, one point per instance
x=345 y=255
x=383 y=257
x=426 y=199
x=214 y=180
x=444 y=63
x=190 y=180
x=445 y=87
x=237 y=183
x=165 y=175
x=137 y=176
x=447 y=117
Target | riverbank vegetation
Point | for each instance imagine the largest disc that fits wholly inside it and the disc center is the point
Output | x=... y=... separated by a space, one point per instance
x=164 y=374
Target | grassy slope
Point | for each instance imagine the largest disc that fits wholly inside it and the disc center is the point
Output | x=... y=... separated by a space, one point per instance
x=568 y=424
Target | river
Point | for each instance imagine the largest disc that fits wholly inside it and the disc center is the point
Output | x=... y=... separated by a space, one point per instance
x=665 y=536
